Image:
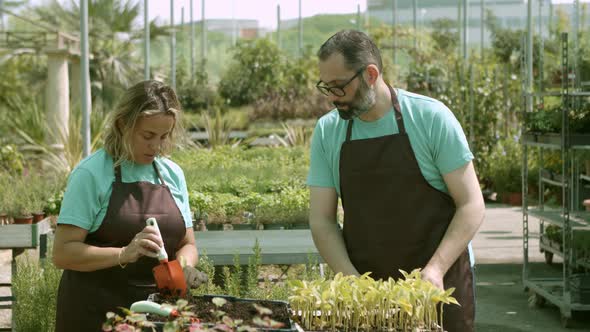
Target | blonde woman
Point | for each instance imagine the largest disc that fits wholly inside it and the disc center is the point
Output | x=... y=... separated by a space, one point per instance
x=102 y=241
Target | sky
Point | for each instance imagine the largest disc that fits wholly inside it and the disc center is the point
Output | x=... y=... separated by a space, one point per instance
x=265 y=11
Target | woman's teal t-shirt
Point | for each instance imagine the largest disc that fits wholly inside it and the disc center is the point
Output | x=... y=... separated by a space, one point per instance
x=90 y=184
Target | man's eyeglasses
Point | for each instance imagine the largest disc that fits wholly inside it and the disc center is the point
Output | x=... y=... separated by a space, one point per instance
x=337 y=90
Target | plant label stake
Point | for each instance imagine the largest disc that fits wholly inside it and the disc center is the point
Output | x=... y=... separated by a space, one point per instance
x=169 y=276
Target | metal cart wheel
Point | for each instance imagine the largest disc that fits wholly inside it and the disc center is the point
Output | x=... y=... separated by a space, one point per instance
x=566 y=321
x=548 y=257
x=536 y=300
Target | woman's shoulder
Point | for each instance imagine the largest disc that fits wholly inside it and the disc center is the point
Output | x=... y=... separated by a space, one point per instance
x=94 y=170
x=97 y=162
x=170 y=169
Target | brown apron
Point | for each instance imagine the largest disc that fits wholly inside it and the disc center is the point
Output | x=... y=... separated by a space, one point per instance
x=84 y=298
x=394 y=219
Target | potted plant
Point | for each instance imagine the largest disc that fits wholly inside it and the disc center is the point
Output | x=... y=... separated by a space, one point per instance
x=39 y=194
x=21 y=210
x=271 y=213
x=200 y=203
x=217 y=215
x=6 y=196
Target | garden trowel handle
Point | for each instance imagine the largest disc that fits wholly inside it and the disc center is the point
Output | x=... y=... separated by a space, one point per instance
x=162 y=255
x=148 y=307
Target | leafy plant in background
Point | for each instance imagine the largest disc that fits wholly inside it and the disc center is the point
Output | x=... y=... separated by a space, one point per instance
x=73 y=148
x=218 y=127
x=296 y=135
x=444 y=34
x=252 y=73
x=196 y=94
x=53 y=205
x=505 y=169
x=11 y=161
x=26 y=119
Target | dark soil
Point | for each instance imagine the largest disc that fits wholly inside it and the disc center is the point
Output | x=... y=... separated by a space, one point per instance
x=235 y=308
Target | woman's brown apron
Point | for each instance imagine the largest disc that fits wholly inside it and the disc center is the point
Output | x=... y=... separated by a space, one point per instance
x=84 y=298
x=394 y=219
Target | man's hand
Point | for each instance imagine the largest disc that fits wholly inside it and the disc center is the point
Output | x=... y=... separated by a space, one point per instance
x=434 y=275
x=194 y=278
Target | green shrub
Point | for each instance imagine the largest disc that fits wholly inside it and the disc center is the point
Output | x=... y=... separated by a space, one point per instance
x=505 y=166
x=35 y=289
x=252 y=72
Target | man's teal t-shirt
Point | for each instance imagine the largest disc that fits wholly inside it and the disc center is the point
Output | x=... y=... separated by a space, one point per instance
x=90 y=184
x=436 y=136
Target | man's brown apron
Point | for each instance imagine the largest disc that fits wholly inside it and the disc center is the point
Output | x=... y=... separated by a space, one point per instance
x=394 y=219
x=84 y=298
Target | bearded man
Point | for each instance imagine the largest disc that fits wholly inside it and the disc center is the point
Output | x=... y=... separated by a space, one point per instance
x=403 y=169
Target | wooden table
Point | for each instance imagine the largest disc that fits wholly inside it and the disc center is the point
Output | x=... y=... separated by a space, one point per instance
x=282 y=247
x=17 y=238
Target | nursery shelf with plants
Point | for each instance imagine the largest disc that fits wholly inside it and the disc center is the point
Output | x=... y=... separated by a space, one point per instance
x=561 y=142
x=553 y=140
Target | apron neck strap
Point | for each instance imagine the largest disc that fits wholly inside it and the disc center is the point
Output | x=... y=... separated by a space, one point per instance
x=398 y=111
x=398 y=115
x=118 y=173
x=158 y=172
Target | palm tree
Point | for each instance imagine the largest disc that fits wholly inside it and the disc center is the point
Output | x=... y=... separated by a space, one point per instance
x=114 y=42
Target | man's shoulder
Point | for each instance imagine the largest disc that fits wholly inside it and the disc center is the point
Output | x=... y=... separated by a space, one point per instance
x=422 y=101
x=330 y=120
x=330 y=124
x=423 y=108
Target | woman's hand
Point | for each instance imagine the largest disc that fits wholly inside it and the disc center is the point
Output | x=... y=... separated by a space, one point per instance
x=145 y=243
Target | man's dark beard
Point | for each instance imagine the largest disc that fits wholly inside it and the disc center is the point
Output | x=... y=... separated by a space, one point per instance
x=364 y=99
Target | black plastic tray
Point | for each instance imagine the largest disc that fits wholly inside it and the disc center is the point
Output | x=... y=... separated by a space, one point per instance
x=155 y=297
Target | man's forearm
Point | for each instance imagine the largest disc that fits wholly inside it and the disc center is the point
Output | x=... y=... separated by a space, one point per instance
x=330 y=243
x=461 y=230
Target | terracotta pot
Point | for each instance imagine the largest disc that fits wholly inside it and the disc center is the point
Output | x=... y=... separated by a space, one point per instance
x=514 y=199
x=23 y=220
x=3 y=219
x=200 y=226
x=38 y=217
x=587 y=204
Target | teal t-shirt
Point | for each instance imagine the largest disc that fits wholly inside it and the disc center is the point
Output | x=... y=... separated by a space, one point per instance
x=436 y=136
x=90 y=184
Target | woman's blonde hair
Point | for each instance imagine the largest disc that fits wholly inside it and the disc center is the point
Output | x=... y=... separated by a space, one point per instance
x=147 y=98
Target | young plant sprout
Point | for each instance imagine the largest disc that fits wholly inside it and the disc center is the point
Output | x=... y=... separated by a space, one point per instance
x=362 y=303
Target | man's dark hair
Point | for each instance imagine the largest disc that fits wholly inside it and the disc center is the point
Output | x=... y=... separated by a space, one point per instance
x=356 y=47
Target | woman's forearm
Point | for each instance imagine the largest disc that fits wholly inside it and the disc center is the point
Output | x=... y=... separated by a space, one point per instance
x=79 y=256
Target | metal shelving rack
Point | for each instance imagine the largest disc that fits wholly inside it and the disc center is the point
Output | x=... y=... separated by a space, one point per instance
x=557 y=290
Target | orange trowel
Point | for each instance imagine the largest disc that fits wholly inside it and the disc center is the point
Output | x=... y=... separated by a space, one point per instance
x=169 y=276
